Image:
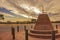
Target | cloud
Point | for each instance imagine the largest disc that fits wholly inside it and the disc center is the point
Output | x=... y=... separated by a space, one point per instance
x=6 y=11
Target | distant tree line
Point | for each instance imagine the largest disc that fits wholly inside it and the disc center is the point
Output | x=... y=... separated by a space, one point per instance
x=9 y=22
x=56 y=22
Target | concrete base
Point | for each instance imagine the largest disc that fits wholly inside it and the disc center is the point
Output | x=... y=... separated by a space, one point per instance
x=46 y=34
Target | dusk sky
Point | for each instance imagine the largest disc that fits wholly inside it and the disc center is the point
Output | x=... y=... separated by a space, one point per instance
x=23 y=10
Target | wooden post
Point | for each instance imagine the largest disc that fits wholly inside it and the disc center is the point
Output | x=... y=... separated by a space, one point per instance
x=24 y=27
x=17 y=28
x=13 y=33
x=56 y=26
x=26 y=34
x=53 y=35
